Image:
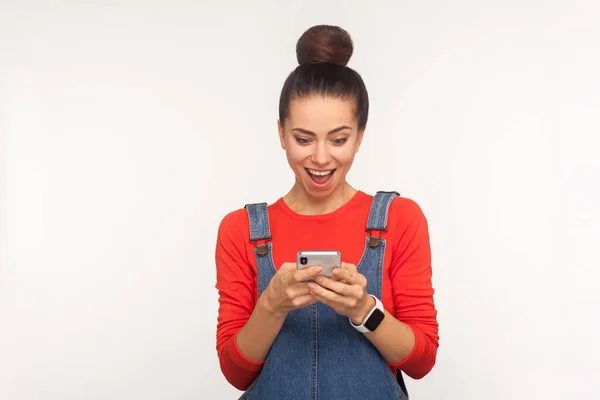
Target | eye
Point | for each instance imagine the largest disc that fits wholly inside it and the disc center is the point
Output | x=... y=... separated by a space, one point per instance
x=340 y=142
x=301 y=140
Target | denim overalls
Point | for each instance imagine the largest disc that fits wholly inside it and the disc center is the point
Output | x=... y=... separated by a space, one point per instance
x=317 y=354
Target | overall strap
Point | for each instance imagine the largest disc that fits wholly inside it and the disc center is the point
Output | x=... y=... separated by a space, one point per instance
x=258 y=217
x=378 y=221
x=378 y=215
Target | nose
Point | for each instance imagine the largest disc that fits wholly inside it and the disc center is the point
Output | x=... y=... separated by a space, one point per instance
x=321 y=156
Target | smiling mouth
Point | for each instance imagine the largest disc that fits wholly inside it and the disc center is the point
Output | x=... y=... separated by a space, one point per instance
x=320 y=177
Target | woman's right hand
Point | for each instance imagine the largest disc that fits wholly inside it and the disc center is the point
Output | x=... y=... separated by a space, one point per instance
x=287 y=291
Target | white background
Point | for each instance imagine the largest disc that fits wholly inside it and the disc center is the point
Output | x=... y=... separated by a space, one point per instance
x=130 y=128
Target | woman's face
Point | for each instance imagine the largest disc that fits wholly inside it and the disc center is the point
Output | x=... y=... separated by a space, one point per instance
x=320 y=138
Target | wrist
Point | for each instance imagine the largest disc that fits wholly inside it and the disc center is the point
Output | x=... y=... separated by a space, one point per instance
x=369 y=304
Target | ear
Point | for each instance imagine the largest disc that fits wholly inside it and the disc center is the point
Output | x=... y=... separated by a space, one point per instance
x=281 y=134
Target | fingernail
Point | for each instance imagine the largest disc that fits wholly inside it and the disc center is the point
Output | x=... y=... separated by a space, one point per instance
x=318 y=269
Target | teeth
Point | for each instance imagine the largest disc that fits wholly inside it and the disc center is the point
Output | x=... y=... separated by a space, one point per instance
x=319 y=173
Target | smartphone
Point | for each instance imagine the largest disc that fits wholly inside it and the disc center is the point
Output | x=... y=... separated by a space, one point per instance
x=328 y=259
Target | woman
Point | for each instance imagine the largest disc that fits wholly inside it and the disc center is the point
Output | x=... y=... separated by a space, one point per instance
x=280 y=336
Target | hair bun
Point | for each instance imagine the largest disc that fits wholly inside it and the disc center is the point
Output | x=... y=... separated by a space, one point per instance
x=324 y=44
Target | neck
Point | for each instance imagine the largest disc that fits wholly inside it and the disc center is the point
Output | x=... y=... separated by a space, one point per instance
x=300 y=201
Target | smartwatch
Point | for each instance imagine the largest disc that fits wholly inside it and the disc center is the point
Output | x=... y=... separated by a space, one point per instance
x=373 y=318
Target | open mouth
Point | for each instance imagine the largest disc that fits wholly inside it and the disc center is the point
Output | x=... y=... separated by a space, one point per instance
x=320 y=177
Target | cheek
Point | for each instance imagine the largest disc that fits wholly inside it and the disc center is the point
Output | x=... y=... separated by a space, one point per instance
x=344 y=155
x=297 y=154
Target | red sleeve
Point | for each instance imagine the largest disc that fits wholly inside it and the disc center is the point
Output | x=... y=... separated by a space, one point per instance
x=237 y=294
x=410 y=275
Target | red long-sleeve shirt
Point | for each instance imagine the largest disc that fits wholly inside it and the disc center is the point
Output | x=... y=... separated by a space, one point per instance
x=407 y=291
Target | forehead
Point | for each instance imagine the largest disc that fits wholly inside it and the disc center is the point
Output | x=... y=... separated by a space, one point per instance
x=320 y=113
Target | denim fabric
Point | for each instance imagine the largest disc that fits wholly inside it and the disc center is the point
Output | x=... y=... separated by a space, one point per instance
x=258 y=215
x=380 y=205
x=318 y=354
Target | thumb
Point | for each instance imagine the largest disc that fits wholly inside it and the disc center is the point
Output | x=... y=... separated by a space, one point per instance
x=348 y=266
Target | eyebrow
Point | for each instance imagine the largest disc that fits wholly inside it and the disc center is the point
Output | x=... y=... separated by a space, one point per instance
x=307 y=132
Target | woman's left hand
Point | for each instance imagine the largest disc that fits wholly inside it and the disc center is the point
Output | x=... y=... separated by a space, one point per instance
x=346 y=292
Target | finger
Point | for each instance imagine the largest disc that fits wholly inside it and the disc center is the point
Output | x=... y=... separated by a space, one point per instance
x=322 y=296
x=349 y=275
x=302 y=274
x=325 y=295
x=321 y=299
x=334 y=285
x=304 y=301
x=348 y=266
x=300 y=289
x=335 y=278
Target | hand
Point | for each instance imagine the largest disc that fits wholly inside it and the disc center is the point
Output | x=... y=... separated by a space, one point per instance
x=287 y=291
x=346 y=292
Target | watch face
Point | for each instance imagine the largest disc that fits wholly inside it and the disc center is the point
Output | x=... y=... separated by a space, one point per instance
x=374 y=320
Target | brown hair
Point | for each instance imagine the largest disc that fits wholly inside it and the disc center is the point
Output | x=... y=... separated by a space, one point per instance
x=323 y=52
x=324 y=44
